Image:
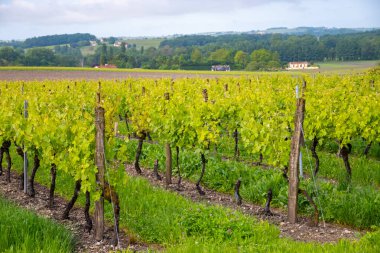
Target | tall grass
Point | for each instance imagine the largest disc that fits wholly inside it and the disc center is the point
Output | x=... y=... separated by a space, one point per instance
x=23 y=231
x=368 y=244
x=154 y=215
x=355 y=204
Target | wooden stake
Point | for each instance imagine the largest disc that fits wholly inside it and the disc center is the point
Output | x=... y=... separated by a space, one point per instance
x=294 y=161
x=168 y=151
x=25 y=153
x=168 y=176
x=98 y=98
x=205 y=95
x=100 y=164
x=116 y=129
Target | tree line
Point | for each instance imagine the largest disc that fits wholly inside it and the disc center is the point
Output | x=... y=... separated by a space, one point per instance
x=52 y=40
x=355 y=46
x=240 y=51
x=59 y=56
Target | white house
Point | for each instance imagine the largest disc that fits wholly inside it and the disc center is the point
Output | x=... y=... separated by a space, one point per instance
x=300 y=65
x=118 y=44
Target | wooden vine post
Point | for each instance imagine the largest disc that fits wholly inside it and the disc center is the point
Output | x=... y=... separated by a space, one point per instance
x=294 y=159
x=168 y=163
x=25 y=153
x=168 y=153
x=100 y=164
x=203 y=158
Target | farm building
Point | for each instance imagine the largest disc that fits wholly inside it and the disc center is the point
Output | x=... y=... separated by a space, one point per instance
x=300 y=65
x=119 y=43
x=220 y=68
x=105 y=66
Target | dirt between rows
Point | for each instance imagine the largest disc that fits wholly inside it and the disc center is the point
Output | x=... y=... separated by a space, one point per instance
x=302 y=231
x=85 y=241
x=31 y=75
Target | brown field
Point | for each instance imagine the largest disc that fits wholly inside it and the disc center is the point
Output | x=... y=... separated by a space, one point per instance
x=57 y=73
x=14 y=75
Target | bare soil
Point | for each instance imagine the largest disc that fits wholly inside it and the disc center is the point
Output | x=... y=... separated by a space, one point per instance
x=302 y=231
x=85 y=241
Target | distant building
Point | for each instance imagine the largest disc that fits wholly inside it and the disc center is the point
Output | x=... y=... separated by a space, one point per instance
x=220 y=68
x=93 y=43
x=118 y=44
x=300 y=65
x=106 y=66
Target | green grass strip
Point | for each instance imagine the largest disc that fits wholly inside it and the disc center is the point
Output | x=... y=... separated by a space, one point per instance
x=23 y=231
x=154 y=215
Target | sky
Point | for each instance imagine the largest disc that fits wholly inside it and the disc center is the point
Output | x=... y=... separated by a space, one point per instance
x=21 y=19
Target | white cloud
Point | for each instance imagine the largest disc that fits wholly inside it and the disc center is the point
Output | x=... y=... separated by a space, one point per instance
x=26 y=18
x=61 y=11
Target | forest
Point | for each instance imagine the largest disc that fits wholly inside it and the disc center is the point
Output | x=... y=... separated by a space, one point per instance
x=195 y=52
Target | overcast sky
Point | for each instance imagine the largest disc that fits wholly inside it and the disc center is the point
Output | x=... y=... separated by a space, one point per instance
x=20 y=19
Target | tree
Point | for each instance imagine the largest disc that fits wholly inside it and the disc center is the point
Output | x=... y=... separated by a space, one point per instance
x=196 y=56
x=103 y=55
x=121 y=60
x=110 y=55
x=347 y=49
x=181 y=60
x=151 y=52
x=111 y=40
x=263 y=59
x=40 y=57
x=51 y=40
x=8 y=56
x=220 y=56
x=166 y=51
x=123 y=47
x=241 y=59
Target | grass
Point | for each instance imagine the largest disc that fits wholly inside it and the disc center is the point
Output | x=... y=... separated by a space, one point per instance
x=47 y=47
x=346 y=66
x=368 y=243
x=88 y=50
x=154 y=215
x=24 y=231
x=365 y=171
x=145 y=42
x=353 y=204
x=339 y=67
